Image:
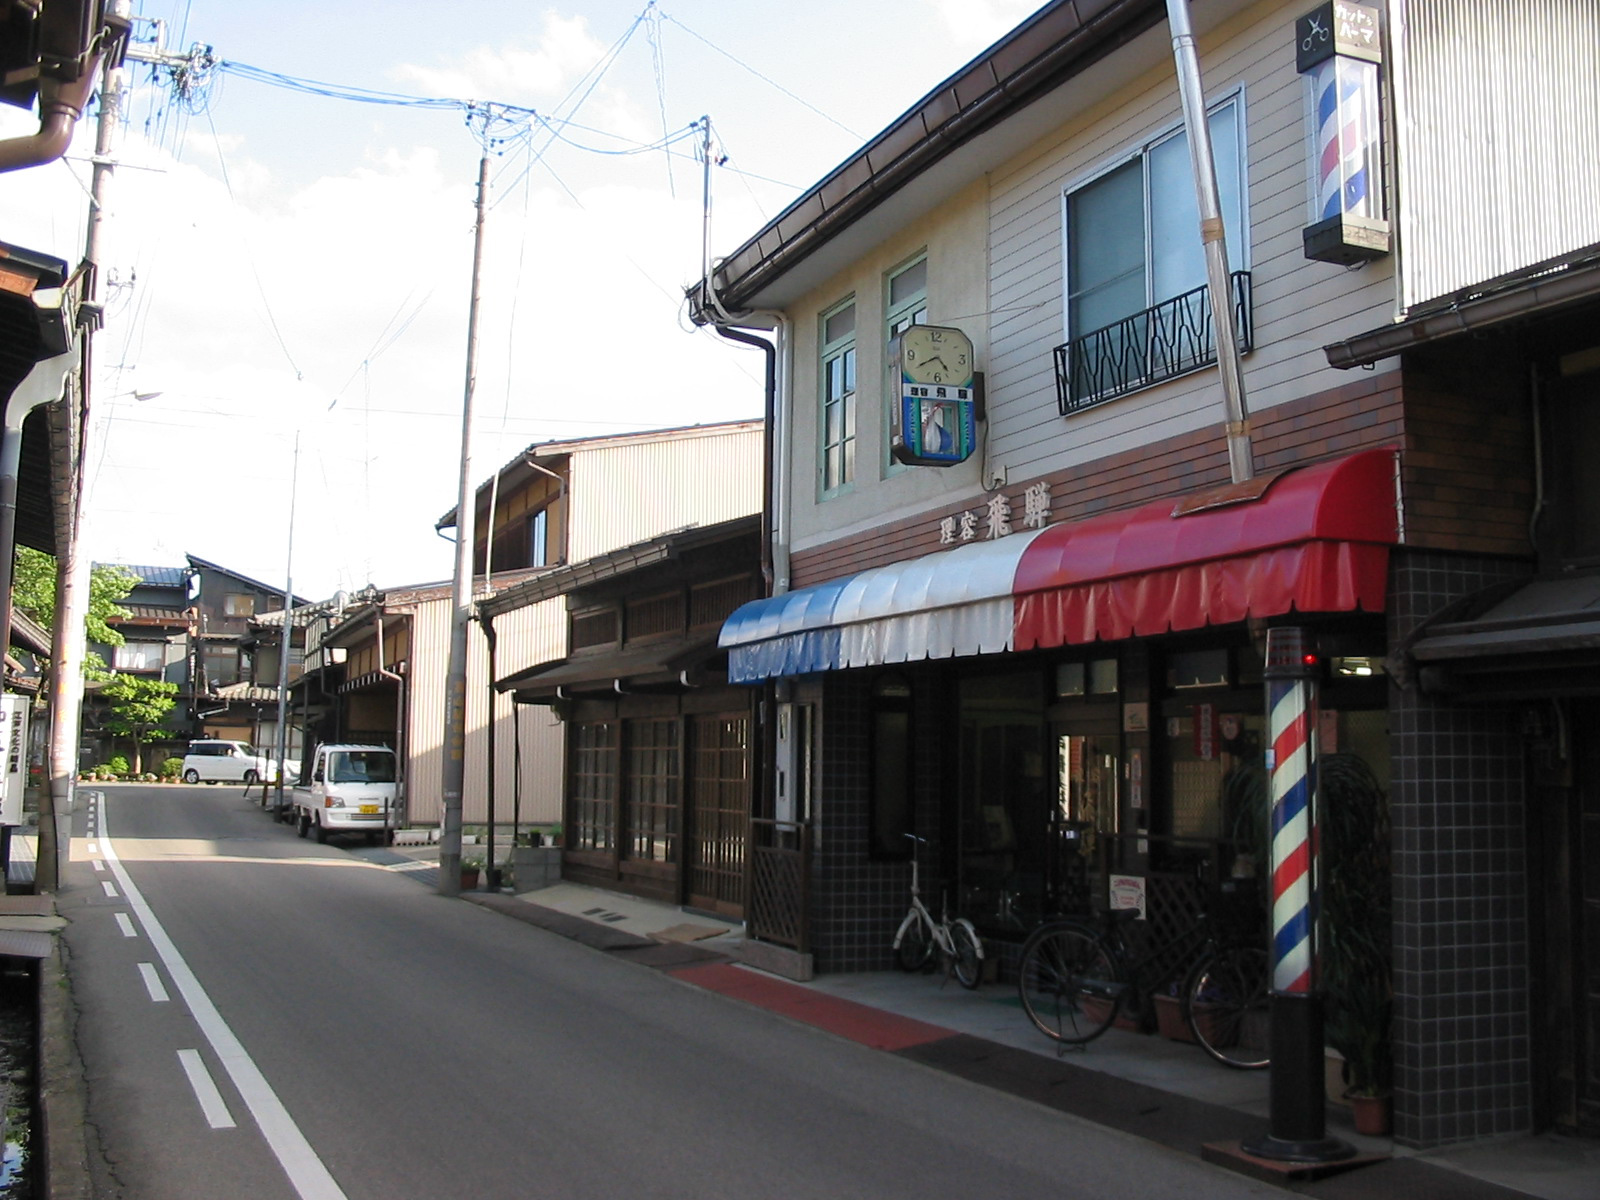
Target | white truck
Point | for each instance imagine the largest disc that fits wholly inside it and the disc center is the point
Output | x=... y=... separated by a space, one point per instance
x=350 y=789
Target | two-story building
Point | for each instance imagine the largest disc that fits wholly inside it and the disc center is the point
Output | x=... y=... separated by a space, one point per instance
x=1025 y=570
x=378 y=673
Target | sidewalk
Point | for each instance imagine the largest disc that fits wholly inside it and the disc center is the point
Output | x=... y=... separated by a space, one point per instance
x=1165 y=1091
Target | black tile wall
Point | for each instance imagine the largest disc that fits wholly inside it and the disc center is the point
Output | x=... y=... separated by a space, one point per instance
x=1462 y=1055
x=857 y=902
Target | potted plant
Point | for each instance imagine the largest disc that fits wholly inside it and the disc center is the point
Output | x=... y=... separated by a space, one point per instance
x=471 y=868
x=1357 y=938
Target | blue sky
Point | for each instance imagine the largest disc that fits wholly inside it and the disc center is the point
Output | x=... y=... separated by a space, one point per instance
x=287 y=264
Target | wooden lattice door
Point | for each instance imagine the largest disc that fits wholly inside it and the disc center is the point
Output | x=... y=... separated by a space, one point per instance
x=720 y=800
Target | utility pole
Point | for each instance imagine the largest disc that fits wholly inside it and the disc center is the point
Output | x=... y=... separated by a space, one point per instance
x=288 y=636
x=455 y=699
x=68 y=647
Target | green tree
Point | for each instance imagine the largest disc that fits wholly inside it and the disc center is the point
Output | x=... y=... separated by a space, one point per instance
x=33 y=591
x=138 y=707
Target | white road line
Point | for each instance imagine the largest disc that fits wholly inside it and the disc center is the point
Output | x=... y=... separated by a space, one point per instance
x=306 y=1171
x=205 y=1090
x=153 y=984
x=93 y=849
x=126 y=926
x=99 y=865
x=111 y=888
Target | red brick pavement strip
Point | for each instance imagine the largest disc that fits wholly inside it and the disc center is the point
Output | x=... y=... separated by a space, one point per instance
x=868 y=1026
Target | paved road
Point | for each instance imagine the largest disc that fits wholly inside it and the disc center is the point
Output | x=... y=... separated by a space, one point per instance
x=332 y=1029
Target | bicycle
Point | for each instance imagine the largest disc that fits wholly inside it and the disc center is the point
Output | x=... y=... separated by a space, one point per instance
x=1075 y=977
x=919 y=933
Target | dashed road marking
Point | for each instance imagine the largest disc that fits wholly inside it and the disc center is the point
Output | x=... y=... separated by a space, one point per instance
x=111 y=888
x=153 y=984
x=205 y=1090
x=126 y=926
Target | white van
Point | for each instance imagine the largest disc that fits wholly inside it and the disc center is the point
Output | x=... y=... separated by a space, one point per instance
x=350 y=789
x=215 y=760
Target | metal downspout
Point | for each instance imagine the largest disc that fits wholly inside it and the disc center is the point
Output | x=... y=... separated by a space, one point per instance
x=61 y=104
x=491 y=873
x=1213 y=240
x=399 y=723
x=767 y=439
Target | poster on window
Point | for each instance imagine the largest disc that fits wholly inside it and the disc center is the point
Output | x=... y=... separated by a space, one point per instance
x=1205 y=732
x=1127 y=891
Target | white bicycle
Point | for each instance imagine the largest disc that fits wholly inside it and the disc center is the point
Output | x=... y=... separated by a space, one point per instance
x=958 y=943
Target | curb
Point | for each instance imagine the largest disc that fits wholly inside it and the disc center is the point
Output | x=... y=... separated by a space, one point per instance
x=60 y=1123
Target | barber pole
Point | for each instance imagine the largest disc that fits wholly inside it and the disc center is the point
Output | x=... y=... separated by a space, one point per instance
x=1293 y=888
x=1298 y=1104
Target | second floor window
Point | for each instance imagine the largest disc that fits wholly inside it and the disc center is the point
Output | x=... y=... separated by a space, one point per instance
x=139 y=656
x=239 y=604
x=538 y=532
x=1133 y=243
x=838 y=449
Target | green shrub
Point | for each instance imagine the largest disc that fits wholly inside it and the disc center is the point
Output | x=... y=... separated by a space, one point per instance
x=119 y=765
x=171 y=768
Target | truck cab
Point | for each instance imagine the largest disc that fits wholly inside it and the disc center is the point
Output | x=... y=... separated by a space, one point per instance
x=349 y=789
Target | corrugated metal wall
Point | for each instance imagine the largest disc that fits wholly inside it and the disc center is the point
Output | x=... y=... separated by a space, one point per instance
x=1496 y=154
x=624 y=494
x=525 y=637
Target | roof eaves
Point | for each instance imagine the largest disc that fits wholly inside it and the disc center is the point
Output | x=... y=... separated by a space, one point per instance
x=1046 y=50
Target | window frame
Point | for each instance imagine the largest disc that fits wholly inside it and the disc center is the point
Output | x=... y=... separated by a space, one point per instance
x=829 y=352
x=1238 y=240
x=894 y=324
x=147 y=648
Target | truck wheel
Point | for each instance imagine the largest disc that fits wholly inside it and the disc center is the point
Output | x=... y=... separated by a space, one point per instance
x=322 y=834
x=191 y=776
x=302 y=824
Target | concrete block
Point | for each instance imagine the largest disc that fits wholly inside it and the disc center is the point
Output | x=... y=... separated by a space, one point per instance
x=777 y=960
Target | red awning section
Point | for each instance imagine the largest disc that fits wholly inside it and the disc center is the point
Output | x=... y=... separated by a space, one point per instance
x=1314 y=539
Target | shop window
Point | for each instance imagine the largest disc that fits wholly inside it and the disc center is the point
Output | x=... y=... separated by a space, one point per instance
x=1197 y=668
x=892 y=769
x=592 y=786
x=1096 y=678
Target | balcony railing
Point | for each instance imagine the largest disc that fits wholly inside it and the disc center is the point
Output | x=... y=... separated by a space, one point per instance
x=1162 y=342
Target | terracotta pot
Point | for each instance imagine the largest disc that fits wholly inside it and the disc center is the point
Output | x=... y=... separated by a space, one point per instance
x=469 y=879
x=1372 y=1114
x=1169 y=1019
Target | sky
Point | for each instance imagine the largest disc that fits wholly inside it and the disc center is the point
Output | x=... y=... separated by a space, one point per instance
x=280 y=379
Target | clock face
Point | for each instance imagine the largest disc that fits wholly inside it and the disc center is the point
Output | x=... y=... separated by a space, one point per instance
x=935 y=354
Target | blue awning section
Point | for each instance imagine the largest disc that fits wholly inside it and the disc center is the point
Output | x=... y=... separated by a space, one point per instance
x=953 y=602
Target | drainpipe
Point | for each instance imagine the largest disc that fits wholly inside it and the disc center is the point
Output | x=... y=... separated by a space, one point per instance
x=491 y=873
x=1213 y=239
x=61 y=103
x=771 y=399
x=43 y=385
x=399 y=722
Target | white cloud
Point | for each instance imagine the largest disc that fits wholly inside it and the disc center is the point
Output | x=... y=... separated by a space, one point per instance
x=984 y=22
x=564 y=53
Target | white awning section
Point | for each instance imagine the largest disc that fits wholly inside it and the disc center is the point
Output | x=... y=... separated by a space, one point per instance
x=951 y=603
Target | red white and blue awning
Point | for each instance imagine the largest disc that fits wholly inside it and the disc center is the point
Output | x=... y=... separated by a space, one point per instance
x=1313 y=539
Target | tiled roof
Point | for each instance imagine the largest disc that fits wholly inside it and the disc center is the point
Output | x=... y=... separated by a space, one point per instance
x=154 y=576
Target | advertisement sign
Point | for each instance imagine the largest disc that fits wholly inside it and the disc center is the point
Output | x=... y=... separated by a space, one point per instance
x=14 y=730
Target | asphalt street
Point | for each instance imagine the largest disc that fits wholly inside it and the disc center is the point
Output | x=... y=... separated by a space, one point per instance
x=260 y=1015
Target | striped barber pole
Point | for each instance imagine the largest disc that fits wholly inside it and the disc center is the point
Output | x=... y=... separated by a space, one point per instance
x=1293 y=897
x=1347 y=137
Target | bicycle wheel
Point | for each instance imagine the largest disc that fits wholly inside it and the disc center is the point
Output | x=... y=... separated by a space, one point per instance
x=1228 y=996
x=913 y=945
x=969 y=954
x=1069 y=985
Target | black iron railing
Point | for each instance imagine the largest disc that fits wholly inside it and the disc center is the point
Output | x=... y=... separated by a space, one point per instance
x=1162 y=342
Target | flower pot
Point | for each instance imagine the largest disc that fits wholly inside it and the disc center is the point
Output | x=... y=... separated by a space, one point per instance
x=1097 y=1010
x=1372 y=1114
x=469 y=879
x=1169 y=1019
